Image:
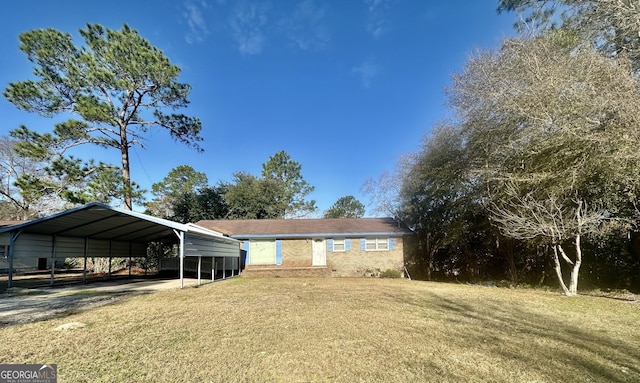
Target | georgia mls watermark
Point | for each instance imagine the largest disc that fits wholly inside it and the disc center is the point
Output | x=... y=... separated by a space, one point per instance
x=28 y=373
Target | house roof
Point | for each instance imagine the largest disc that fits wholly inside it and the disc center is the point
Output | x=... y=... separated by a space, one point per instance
x=100 y=221
x=292 y=228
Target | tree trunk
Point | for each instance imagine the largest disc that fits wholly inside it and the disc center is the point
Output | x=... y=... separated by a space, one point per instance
x=558 y=269
x=126 y=174
x=506 y=249
x=543 y=274
x=430 y=255
x=634 y=251
x=513 y=270
x=573 y=283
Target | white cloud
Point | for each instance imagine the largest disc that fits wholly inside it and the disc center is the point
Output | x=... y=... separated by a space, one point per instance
x=366 y=71
x=377 y=18
x=306 y=26
x=248 y=23
x=198 y=29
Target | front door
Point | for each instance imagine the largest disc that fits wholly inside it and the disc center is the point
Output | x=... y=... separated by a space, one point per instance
x=319 y=253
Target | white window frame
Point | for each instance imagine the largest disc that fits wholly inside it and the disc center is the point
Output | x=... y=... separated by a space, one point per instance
x=376 y=244
x=339 y=242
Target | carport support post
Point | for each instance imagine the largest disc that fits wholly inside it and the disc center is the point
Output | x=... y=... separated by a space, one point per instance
x=199 y=269
x=213 y=269
x=84 y=268
x=181 y=236
x=224 y=267
x=12 y=239
x=53 y=258
x=110 y=254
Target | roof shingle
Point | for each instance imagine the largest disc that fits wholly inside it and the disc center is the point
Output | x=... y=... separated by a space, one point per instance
x=303 y=227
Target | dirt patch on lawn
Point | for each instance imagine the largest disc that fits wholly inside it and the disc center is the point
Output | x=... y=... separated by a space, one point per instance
x=25 y=305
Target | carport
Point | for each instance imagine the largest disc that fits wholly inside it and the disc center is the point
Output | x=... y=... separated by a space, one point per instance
x=98 y=230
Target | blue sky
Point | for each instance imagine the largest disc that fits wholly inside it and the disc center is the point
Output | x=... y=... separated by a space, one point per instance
x=345 y=87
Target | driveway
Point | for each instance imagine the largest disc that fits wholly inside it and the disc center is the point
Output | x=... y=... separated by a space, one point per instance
x=29 y=305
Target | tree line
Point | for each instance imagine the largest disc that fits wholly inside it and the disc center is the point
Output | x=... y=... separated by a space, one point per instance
x=184 y=195
x=536 y=177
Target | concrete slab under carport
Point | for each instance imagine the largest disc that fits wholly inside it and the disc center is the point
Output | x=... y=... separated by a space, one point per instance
x=114 y=284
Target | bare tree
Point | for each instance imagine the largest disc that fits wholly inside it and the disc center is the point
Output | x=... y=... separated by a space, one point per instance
x=610 y=26
x=549 y=221
x=384 y=191
x=551 y=130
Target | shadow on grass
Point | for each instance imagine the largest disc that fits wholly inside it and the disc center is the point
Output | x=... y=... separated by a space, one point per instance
x=44 y=305
x=561 y=350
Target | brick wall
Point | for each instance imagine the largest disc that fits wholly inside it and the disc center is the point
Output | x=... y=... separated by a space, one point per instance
x=278 y=271
x=359 y=263
x=296 y=252
x=297 y=260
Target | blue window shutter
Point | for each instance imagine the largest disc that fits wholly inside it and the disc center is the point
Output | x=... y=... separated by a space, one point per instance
x=247 y=259
x=278 y=252
x=392 y=243
x=330 y=245
x=363 y=244
x=347 y=244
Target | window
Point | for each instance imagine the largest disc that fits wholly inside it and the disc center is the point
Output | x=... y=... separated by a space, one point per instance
x=340 y=245
x=377 y=244
x=3 y=251
x=262 y=252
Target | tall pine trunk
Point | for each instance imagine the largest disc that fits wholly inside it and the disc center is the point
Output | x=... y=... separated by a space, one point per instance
x=126 y=174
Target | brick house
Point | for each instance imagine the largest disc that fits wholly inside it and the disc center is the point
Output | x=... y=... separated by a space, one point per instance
x=320 y=247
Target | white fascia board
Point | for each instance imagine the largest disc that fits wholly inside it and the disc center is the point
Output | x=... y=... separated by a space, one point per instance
x=200 y=229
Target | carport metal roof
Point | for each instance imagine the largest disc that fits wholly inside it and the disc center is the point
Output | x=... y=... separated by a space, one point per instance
x=99 y=221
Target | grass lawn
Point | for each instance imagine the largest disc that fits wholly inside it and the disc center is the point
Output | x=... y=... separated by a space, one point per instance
x=339 y=330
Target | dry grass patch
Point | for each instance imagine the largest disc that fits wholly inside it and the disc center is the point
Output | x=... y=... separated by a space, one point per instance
x=339 y=330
